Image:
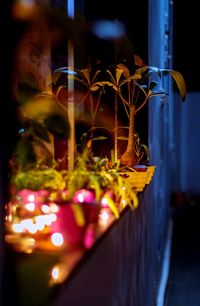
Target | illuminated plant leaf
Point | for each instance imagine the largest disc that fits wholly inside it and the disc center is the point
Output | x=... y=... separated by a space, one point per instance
x=122 y=138
x=112 y=206
x=179 y=80
x=78 y=214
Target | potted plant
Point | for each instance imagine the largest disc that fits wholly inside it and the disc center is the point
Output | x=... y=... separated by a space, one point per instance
x=134 y=91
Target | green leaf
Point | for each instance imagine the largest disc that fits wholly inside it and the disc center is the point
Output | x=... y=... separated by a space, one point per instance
x=146 y=149
x=39 y=131
x=58 y=125
x=112 y=206
x=25 y=155
x=179 y=80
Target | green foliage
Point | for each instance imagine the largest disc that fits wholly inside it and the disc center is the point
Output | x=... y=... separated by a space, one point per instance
x=36 y=179
x=41 y=116
x=138 y=88
x=24 y=154
x=99 y=175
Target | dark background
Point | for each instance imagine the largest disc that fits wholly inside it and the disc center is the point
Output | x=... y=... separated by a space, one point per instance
x=186 y=42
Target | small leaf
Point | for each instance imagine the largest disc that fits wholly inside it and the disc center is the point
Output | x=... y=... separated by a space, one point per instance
x=57 y=125
x=79 y=215
x=122 y=138
x=99 y=138
x=180 y=83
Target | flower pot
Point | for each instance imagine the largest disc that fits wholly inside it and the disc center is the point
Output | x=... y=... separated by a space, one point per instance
x=33 y=221
x=140 y=178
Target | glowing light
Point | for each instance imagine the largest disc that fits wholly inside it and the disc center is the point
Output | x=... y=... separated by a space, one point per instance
x=104 y=202
x=124 y=202
x=32 y=228
x=107 y=29
x=70 y=8
x=57 y=239
x=9 y=218
x=84 y=196
x=80 y=198
x=104 y=216
x=18 y=228
x=28 y=245
x=45 y=209
x=55 y=273
x=31 y=197
x=31 y=241
x=123 y=188
x=47 y=220
x=39 y=221
x=26 y=223
x=54 y=208
x=53 y=217
x=30 y=206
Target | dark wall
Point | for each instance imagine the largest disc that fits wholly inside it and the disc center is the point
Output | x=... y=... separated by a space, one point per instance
x=186 y=42
x=134 y=15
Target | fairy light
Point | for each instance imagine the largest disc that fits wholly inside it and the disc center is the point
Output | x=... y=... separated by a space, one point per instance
x=55 y=273
x=32 y=228
x=104 y=218
x=30 y=206
x=80 y=198
x=59 y=272
x=31 y=198
x=47 y=220
x=45 y=209
x=53 y=217
x=123 y=202
x=18 y=228
x=57 y=239
x=104 y=202
x=39 y=221
x=54 y=208
x=26 y=223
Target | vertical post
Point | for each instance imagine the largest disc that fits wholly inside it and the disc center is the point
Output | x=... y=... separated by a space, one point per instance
x=71 y=110
x=116 y=125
